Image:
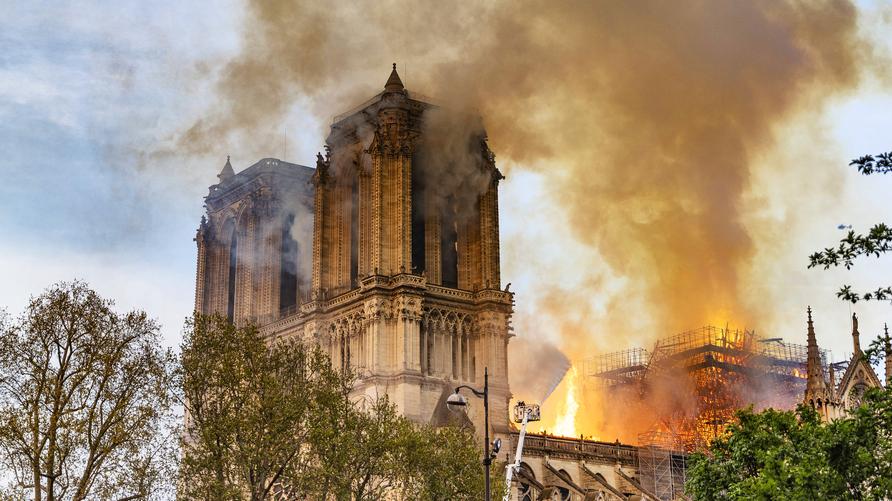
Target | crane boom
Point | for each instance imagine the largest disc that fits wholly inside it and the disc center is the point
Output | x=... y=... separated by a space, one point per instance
x=517 y=456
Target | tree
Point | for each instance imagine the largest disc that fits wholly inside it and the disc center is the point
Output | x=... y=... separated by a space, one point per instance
x=876 y=242
x=447 y=465
x=367 y=451
x=85 y=400
x=248 y=411
x=793 y=455
x=273 y=419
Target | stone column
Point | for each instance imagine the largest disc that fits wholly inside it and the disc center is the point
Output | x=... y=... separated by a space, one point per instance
x=489 y=232
x=408 y=332
x=320 y=181
x=201 y=267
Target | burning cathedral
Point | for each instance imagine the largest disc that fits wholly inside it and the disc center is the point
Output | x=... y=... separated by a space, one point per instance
x=386 y=254
x=371 y=256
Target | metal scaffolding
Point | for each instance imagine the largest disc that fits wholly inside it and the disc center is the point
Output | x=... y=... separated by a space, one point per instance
x=708 y=374
x=661 y=465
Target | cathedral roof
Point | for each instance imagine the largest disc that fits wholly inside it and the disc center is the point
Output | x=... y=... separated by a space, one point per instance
x=858 y=362
x=272 y=170
x=394 y=84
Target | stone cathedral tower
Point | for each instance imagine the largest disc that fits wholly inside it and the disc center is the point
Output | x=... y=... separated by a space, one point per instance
x=386 y=254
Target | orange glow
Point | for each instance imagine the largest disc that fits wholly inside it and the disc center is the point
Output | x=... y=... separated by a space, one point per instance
x=566 y=421
x=561 y=410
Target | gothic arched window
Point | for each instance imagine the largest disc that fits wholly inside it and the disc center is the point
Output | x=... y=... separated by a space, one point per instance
x=231 y=276
x=418 y=217
x=525 y=492
x=354 y=234
x=449 y=245
x=288 y=267
x=563 y=494
x=856 y=394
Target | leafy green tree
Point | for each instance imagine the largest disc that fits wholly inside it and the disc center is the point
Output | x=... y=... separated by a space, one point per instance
x=273 y=419
x=369 y=452
x=248 y=411
x=85 y=400
x=361 y=449
x=447 y=465
x=876 y=242
x=776 y=455
x=860 y=447
x=769 y=455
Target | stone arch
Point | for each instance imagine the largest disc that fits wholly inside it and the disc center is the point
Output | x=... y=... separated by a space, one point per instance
x=230 y=246
x=289 y=265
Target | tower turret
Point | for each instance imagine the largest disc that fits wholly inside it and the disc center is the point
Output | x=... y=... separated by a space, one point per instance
x=227 y=171
x=394 y=84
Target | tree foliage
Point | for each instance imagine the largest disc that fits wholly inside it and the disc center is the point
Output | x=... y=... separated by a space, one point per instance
x=876 y=242
x=247 y=411
x=869 y=164
x=273 y=419
x=776 y=455
x=85 y=400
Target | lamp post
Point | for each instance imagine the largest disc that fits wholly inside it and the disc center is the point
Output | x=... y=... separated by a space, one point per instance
x=457 y=402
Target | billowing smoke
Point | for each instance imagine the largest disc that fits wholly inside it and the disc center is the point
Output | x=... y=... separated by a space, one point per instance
x=644 y=118
x=551 y=366
x=451 y=161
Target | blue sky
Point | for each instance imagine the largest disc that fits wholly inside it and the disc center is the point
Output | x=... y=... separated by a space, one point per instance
x=82 y=87
x=88 y=88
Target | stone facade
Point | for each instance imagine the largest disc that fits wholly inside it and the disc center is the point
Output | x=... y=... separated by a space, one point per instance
x=249 y=263
x=396 y=279
x=559 y=468
x=834 y=400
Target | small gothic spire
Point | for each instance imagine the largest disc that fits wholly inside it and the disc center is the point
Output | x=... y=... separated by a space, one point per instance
x=394 y=84
x=227 y=171
x=856 y=341
x=815 y=384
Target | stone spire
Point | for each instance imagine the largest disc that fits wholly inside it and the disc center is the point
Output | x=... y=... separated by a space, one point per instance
x=856 y=336
x=394 y=84
x=227 y=171
x=887 y=345
x=815 y=385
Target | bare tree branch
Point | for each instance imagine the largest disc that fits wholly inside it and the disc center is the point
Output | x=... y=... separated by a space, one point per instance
x=86 y=396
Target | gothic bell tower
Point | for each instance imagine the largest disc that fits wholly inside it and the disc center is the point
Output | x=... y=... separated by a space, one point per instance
x=405 y=287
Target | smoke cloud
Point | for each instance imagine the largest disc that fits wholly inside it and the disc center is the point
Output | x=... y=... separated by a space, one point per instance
x=451 y=160
x=644 y=117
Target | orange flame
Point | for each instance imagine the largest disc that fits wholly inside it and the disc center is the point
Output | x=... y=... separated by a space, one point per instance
x=566 y=420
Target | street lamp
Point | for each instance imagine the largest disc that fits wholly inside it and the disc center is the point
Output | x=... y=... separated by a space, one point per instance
x=457 y=402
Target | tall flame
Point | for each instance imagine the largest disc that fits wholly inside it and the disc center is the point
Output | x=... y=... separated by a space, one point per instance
x=566 y=421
